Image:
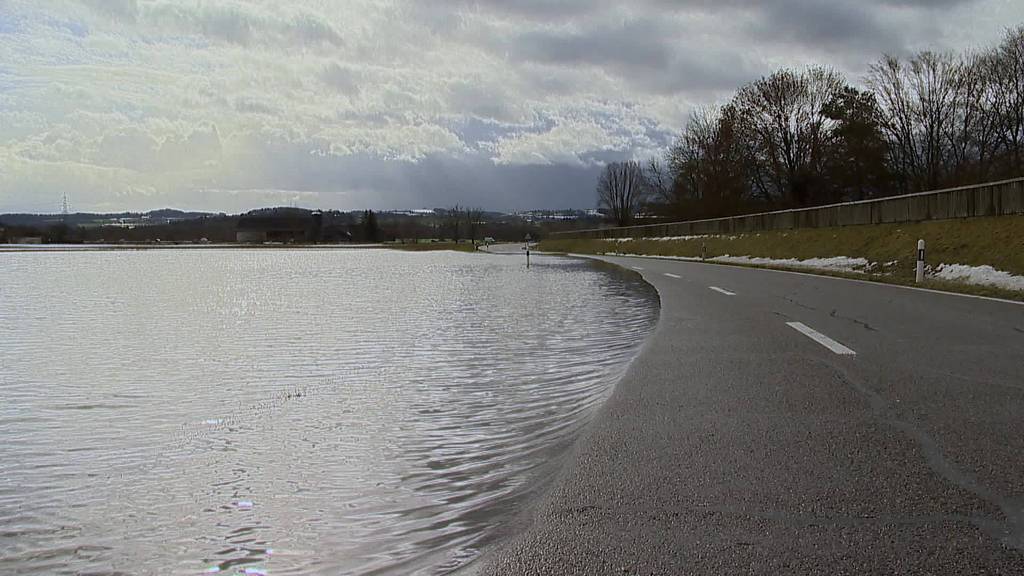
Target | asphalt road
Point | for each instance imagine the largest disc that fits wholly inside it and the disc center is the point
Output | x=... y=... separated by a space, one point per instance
x=738 y=444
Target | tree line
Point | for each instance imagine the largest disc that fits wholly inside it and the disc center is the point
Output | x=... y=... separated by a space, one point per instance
x=455 y=223
x=808 y=137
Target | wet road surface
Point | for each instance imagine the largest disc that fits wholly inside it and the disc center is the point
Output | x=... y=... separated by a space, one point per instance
x=784 y=423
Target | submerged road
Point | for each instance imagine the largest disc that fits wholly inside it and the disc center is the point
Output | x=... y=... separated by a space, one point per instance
x=790 y=424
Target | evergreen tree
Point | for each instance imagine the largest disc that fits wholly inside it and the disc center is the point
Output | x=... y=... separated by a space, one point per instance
x=371 y=231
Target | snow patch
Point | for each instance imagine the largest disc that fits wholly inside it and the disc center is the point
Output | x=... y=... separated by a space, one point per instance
x=983 y=275
x=672 y=238
x=684 y=258
x=839 y=263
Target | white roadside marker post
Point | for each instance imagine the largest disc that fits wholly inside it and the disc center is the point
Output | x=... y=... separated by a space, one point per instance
x=920 y=261
x=703 y=250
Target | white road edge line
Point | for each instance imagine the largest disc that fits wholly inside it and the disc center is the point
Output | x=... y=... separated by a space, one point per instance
x=672 y=276
x=824 y=276
x=821 y=338
x=638 y=268
x=722 y=291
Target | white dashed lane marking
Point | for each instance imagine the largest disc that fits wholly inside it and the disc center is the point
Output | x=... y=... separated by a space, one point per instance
x=821 y=338
x=722 y=291
x=672 y=276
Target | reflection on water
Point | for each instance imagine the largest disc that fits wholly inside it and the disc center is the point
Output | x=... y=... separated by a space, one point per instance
x=291 y=411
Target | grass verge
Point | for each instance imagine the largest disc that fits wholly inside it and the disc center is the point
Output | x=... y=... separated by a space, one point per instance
x=431 y=246
x=996 y=241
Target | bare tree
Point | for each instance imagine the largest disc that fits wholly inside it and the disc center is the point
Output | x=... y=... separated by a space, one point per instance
x=708 y=163
x=659 y=181
x=621 y=190
x=806 y=137
x=931 y=116
x=786 y=131
x=474 y=217
x=1005 y=67
x=453 y=222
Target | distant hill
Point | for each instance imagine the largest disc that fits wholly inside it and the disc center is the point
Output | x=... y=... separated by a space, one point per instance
x=179 y=215
x=162 y=216
x=289 y=224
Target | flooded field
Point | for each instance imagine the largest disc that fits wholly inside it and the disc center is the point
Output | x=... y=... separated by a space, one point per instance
x=291 y=411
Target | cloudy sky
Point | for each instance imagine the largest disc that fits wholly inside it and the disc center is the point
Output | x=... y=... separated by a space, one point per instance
x=228 y=105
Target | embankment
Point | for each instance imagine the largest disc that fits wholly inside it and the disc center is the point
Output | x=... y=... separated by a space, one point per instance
x=975 y=255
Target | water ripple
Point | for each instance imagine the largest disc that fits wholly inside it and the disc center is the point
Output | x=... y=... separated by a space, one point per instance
x=291 y=412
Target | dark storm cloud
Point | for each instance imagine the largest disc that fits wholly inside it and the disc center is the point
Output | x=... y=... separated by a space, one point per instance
x=848 y=29
x=646 y=52
x=656 y=46
x=443 y=181
x=633 y=43
x=368 y=181
x=837 y=25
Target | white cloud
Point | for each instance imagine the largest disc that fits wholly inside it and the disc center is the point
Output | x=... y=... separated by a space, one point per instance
x=563 y=144
x=144 y=103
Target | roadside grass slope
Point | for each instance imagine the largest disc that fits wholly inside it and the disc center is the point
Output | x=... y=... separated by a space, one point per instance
x=890 y=248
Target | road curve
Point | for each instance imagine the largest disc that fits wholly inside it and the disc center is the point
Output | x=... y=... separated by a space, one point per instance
x=780 y=423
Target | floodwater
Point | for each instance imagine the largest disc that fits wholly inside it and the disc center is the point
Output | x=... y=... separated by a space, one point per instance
x=292 y=411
